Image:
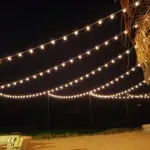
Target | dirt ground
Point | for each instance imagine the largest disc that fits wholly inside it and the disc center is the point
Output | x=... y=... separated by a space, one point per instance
x=120 y=141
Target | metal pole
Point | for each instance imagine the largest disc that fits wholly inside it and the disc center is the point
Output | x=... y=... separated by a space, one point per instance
x=48 y=116
x=90 y=110
x=127 y=113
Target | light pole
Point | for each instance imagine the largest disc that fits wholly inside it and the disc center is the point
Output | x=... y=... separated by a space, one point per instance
x=48 y=115
x=90 y=110
x=127 y=112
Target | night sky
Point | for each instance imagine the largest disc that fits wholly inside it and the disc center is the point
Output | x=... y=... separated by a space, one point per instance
x=27 y=24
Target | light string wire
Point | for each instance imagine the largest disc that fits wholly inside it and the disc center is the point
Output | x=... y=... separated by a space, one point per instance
x=63 y=64
x=112 y=82
x=94 y=71
x=124 y=94
x=65 y=37
x=119 y=94
x=106 y=85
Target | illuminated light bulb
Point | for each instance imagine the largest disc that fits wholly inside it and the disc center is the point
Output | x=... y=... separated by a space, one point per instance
x=88 y=52
x=116 y=79
x=19 y=54
x=80 y=56
x=119 y=56
x=48 y=71
x=31 y=51
x=88 y=28
x=71 y=60
x=63 y=64
x=137 y=3
x=87 y=76
x=144 y=40
x=103 y=87
x=125 y=32
x=41 y=73
x=65 y=38
x=81 y=78
x=97 y=47
x=112 y=82
x=15 y=83
x=42 y=47
x=34 y=76
x=133 y=69
x=139 y=65
x=53 y=42
x=8 y=85
x=70 y=83
x=76 y=32
x=128 y=52
x=106 y=43
x=66 y=85
x=93 y=72
x=107 y=84
x=100 y=22
x=116 y=38
x=112 y=16
x=21 y=81
x=136 y=26
x=94 y=90
x=76 y=81
x=124 y=10
x=27 y=79
x=56 y=68
x=9 y=58
x=99 y=69
x=99 y=89
x=113 y=61
x=61 y=87
x=106 y=65
x=122 y=76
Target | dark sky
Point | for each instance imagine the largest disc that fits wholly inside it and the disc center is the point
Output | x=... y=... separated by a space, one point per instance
x=26 y=24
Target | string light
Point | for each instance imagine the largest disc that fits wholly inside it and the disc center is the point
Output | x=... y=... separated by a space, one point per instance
x=31 y=51
x=53 y=42
x=65 y=38
x=19 y=54
x=47 y=71
x=88 y=28
x=9 y=58
x=42 y=47
x=112 y=16
x=58 y=89
x=100 y=22
x=124 y=10
x=137 y=3
x=145 y=96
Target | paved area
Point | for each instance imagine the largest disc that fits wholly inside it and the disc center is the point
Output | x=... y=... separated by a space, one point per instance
x=121 y=141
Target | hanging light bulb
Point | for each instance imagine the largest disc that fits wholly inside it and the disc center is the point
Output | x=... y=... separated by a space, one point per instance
x=65 y=38
x=76 y=32
x=63 y=64
x=106 y=43
x=53 y=42
x=112 y=16
x=124 y=10
x=19 y=54
x=88 y=28
x=42 y=47
x=9 y=58
x=100 y=22
x=116 y=38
